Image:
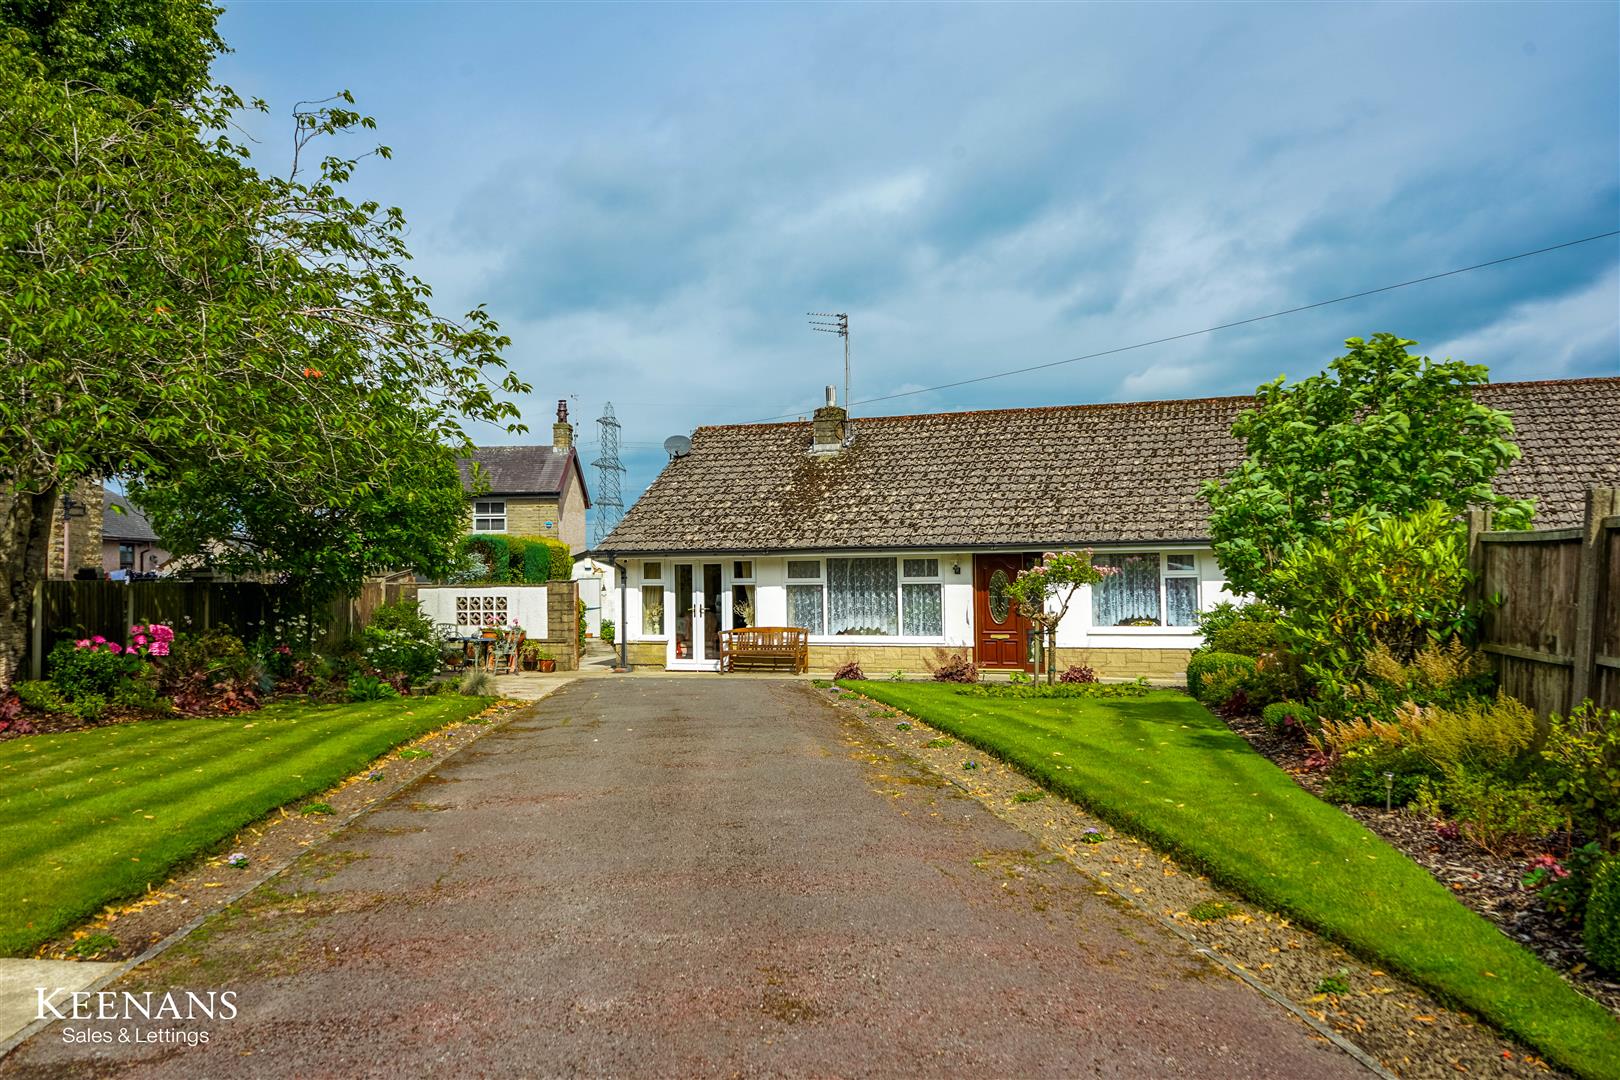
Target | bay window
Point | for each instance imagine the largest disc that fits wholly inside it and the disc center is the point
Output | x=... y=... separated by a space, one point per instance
x=1150 y=589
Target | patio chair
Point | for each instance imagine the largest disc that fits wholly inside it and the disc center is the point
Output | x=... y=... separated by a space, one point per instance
x=503 y=657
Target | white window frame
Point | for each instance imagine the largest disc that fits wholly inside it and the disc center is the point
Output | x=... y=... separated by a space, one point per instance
x=483 y=511
x=819 y=581
x=936 y=578
x=1165 y=574
x=902 y=579
x=652 y=577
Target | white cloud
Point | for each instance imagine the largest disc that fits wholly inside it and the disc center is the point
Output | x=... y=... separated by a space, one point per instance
x=1573 y=334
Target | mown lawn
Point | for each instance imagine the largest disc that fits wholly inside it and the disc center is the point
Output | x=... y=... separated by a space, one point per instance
x=90 y=817
x=1161 y=767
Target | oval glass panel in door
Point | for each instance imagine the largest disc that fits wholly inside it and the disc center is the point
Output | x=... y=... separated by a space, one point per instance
x=1000 y=600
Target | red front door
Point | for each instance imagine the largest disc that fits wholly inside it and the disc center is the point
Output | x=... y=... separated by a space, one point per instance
x=1002 y=636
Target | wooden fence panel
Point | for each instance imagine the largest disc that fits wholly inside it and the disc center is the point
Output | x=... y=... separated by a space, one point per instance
x=1606 y=677
x=1552 y=621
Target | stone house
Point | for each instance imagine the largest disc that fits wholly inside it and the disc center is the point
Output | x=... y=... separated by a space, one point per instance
x=889 y=538
x=529 y=490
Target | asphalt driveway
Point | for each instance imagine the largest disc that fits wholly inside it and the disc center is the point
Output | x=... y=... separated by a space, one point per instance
x=668 y=876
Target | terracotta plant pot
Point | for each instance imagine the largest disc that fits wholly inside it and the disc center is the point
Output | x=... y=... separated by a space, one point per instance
x=547 y=666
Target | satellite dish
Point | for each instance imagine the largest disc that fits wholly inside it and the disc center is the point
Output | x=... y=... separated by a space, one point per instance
x=677 y=446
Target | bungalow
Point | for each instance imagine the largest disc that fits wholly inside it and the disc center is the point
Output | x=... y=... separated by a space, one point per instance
x=891 y=537
x=529 y=490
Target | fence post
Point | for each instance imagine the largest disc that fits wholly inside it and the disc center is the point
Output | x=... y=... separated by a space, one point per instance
x=1479 y=521
x=1600 y=503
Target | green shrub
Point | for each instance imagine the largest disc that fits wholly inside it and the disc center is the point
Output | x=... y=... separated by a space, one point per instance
x=562 y=559
x=607 y=631
x=516 y=548
x=400 y=641
x=370 y=688
x=40 y=695
x=1602 y=933
x=1567 y=895
x=1288 y=715
x=1583 y=751
x=1503 y=818
x=1440 y=673
x=90 y=670
x=1246 y=637
x=1358 y=776
x=1396 y=581
x=1481 y=736
x=536 y=560
x=1204 y=664
x=494 y=552
x=1225 y=614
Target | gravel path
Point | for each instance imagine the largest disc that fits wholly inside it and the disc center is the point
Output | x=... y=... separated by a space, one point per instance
x=695 y=876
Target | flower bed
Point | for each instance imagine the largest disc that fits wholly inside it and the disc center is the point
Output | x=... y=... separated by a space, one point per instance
x=1492 y=885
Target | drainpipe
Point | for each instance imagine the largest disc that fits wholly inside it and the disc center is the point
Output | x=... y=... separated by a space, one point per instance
x=622 y=631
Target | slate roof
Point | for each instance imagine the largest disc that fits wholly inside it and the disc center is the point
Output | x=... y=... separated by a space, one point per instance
x=130 y=526
x=1071 y=475
x=524 y=470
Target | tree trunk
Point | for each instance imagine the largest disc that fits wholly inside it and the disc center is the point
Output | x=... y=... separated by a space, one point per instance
x=25 y=540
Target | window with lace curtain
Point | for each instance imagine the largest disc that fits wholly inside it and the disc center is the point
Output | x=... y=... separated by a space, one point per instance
x=1151 y=589
x=866 y=596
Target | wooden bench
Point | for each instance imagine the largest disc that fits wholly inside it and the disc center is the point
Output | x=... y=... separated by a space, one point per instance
x=765 y=647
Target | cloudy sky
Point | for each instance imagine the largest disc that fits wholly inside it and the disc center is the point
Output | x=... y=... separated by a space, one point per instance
x=650 y=197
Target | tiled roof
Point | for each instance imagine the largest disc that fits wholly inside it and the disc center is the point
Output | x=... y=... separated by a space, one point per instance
x=523 y=470
x=1074 y=475
x=126 y=522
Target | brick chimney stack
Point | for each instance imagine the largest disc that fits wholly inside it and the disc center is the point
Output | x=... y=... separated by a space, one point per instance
x=562 y=432
x=830 y=425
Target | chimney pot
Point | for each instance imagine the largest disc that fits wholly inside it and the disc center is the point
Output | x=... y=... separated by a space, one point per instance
x=562 y=432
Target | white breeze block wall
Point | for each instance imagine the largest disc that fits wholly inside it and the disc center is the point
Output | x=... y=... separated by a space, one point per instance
x=468 y=608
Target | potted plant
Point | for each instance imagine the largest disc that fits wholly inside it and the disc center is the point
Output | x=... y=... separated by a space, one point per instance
x=548 y=662
x=530 y=655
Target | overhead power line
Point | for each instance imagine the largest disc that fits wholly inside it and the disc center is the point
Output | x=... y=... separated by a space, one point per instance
x=1211 y=329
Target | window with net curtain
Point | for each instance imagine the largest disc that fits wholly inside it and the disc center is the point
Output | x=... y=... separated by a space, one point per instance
x=1130 y=597
x=804 y=594
x=862 y=596
x=922 y=607
x=1148 y=588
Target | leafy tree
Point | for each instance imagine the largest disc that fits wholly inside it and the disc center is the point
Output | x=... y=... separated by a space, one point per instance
x=1044 y=592
x=148 y=50
x=1382 y=432
x=171 y=315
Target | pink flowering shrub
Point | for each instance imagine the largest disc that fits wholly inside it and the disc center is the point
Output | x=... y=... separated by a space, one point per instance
x=151 y=639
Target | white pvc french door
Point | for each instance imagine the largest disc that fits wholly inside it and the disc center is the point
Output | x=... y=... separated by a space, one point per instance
x=700 y=605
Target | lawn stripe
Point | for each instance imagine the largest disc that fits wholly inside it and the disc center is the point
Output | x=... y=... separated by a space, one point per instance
x=1251 y=827
x=59 y=872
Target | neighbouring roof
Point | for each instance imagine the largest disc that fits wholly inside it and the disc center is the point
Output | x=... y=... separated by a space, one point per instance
x=525 y=470
x=122 y=520
x=1071 y=475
